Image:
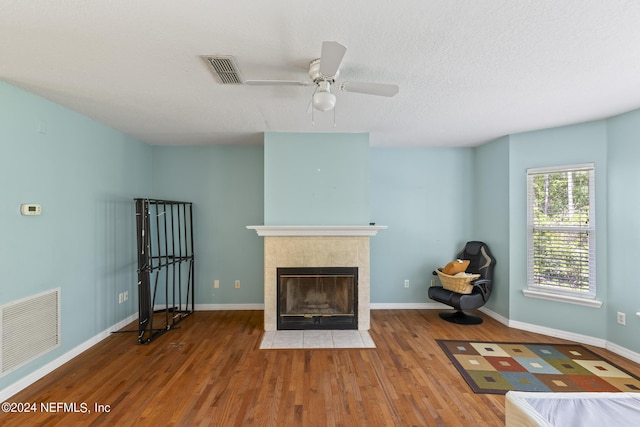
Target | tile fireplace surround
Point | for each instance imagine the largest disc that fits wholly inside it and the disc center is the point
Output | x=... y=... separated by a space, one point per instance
x=316 y=246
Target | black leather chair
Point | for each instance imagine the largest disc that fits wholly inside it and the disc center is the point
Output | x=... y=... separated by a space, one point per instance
x=482 y=263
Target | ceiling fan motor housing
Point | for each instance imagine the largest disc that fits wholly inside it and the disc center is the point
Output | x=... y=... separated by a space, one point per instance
x=316 y=76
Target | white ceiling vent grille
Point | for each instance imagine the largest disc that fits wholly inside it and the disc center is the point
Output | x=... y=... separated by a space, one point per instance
x=225 y=69
x=30 y=327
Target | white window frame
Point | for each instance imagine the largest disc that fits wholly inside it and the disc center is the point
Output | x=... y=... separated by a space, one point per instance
x=560 y=293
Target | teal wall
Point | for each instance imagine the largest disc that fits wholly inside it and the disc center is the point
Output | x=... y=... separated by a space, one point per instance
x=490 y=214
x=424 y=197
x=581 y=143
x=84 y=175
x=623 y=216
x=225 y=185
x=316 y=178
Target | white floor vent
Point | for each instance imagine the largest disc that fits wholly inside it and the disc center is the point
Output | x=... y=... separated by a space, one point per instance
x=30 y=327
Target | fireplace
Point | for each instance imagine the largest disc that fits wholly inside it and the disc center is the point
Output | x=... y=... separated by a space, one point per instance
x=291 y=246
x=317 y=298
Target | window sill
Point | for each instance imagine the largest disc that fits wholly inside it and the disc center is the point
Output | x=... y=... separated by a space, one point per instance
x=562 y=298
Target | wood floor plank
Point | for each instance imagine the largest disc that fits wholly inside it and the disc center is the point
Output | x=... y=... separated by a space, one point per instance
x=210 y=371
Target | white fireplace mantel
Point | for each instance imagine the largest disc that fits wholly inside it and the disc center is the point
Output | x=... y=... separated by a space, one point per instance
x=316 y=230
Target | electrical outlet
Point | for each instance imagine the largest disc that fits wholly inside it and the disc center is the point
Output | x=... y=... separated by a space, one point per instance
x=622 y=319
x=406 y=283
x=216 y=284
x=126 y=295
x=237 y=284
x=120 y=298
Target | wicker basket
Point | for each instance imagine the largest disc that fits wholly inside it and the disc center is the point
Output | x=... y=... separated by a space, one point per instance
x=459 y=283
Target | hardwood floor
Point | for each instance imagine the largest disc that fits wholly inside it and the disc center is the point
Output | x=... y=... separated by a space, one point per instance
x=211 y=372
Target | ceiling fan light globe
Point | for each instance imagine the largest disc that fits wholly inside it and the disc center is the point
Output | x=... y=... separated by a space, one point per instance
x=324 y=101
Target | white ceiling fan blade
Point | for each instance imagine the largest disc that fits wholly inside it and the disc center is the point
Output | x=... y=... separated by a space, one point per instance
x=276 y=83
x=379 y=89
x=331 y=57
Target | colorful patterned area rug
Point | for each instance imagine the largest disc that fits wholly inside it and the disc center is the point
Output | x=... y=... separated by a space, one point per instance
x=497 y=367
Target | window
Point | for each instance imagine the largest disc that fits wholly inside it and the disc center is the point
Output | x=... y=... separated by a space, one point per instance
x=561 y=230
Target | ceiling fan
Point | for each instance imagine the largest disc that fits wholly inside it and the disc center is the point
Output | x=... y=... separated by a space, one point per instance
x=323 y=72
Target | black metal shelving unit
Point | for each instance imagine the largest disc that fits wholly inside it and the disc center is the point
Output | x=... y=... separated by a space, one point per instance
x=165 y=265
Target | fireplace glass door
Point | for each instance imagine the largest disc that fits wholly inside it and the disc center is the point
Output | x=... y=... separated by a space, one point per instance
x=317 y=298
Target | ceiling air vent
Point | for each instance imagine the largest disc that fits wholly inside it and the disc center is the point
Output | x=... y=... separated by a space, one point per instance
x=225 y=69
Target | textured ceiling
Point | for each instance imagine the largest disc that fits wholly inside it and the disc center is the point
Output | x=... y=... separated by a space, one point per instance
x=469 y=70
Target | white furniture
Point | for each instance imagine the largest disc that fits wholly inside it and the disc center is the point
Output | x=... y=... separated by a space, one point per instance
x=599 y=409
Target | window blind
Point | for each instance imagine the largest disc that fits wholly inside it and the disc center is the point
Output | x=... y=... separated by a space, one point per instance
x=561 y=229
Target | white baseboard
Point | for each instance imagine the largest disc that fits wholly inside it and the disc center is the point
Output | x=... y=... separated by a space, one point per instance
x=216 y=307
x=495 y=316
x=407 y=306
x=626 y=353
x=373 y=306
x=54 y=364
x=570 y=336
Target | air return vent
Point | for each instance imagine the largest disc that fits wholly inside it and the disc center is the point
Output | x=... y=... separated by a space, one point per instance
x=30 y=327
x=224 y=68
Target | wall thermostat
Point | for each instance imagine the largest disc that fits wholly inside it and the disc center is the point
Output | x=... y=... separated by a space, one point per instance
x=30 y=209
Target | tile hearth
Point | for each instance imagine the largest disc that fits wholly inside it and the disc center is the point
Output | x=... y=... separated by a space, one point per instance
x=316 y=339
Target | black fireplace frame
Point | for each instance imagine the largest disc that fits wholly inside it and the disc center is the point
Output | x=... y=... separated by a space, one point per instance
x=317 y=322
